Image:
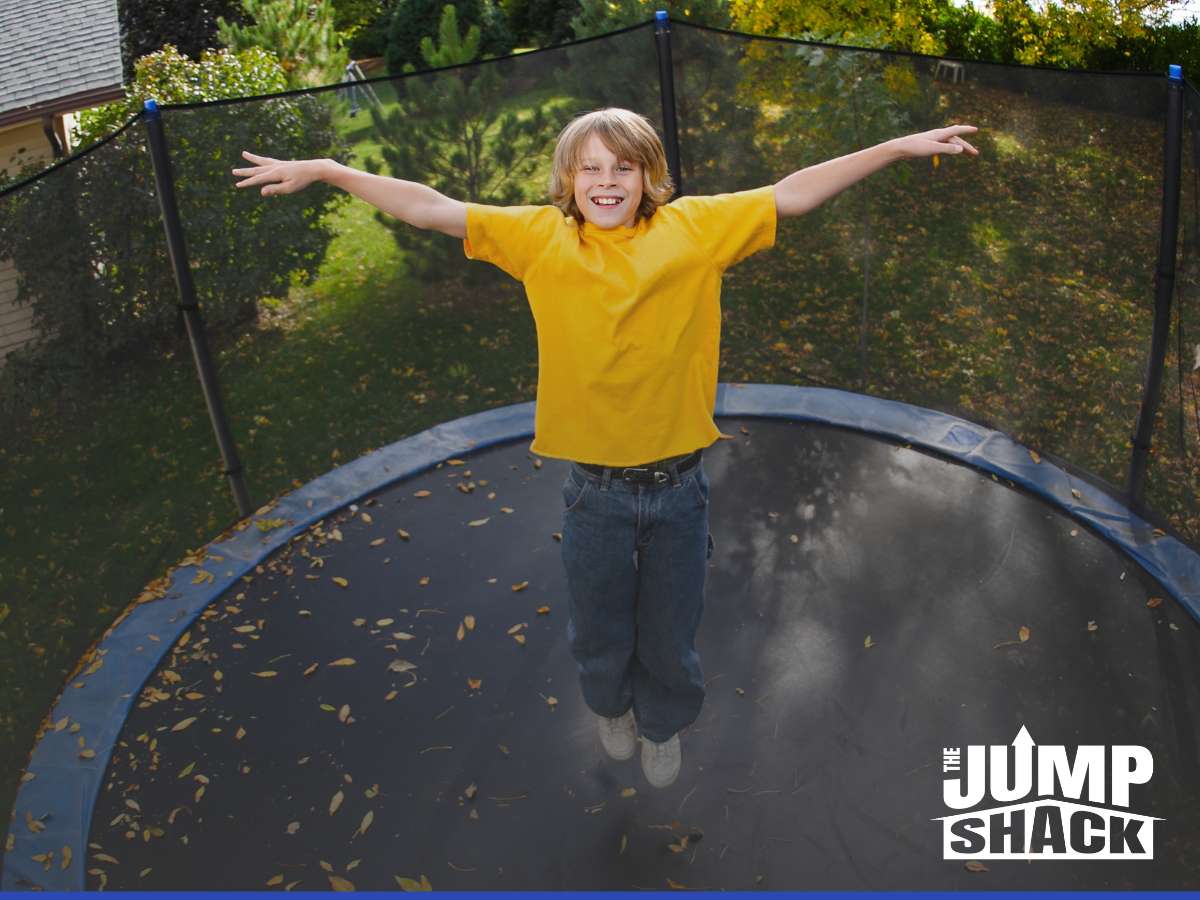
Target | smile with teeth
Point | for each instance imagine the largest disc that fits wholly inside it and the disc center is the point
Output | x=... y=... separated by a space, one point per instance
x=607 y=201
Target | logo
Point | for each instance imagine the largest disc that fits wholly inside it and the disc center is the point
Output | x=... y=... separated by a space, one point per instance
x=1046 y=805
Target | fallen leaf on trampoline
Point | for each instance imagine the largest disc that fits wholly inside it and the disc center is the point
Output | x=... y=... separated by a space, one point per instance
x=311 y=669
x=624 y=842
x=239 y=734
x=474 y=683
x=99 y=873
x=543 y=610
x=65 y=857
x=353 y=864
x=325 y=707
x=344 y=713
x=359 y=623
x=469 y=621
x=475 y=523
x=378 y=542
x=105 y=858
x=199 y=793
x=344 y=661
x=193 y=695
x=270 y=673
x=275 y=881
x=218 y=675
x=28 y=777
x=1075 y=493
x=391 y=695
x=324 y=865
x=973 y=866
x=366 y=823
x=868 y=642
x=182 y=724
x=293 y=827
x=552 y=702
x=423 y=580
x=422 y=493
x=519 y=638
x=1154 y=602
x=407 y=884
x=340 y=582
x=1091 y=625
x=1023 y=633
x=402 y=534
x=335 y=802
x=400 y=665
x=403 y=635
x=132 y=804
x=520 y=626
x=245 y=629
x=187 y=770
x=336 y=534
x=676 y=886
x=366 y=517
x=372 y=792
x=628 y=792
x=292 y=884
x=341 y=884
x=383 y=623
x=461 y=633
x=520 y=586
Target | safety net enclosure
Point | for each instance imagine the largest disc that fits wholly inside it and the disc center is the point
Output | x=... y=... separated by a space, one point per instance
x=923 y=534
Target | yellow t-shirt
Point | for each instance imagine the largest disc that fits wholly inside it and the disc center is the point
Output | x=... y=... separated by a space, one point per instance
x=628 y=319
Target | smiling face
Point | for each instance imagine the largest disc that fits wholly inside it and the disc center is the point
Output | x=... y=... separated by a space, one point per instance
x=608 y=190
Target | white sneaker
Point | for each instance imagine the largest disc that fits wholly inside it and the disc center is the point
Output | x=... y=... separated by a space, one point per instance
x=661 y=762
x=618 y=736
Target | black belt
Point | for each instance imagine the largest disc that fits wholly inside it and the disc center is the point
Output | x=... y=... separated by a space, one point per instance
x=655 y=472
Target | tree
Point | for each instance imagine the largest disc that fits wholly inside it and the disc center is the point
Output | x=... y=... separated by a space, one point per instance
x=189 y=25
x=102 y=289
x=415 y=20
x=540 y=23
x=299 y=32
x=455 y=132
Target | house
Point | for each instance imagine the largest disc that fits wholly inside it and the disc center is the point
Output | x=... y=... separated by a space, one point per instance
x=56 y=57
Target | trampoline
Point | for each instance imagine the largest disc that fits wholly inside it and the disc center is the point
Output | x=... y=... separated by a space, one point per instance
x=371 y=683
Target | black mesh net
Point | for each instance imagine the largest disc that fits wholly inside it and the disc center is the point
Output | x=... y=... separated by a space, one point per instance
x=1015 y=289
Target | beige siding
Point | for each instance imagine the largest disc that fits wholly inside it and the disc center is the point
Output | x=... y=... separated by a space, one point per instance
x=18 y=144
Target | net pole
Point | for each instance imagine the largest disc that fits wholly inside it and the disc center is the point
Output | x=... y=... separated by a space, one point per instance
x=1164 y=287
x=164 y=181
x=666 y=86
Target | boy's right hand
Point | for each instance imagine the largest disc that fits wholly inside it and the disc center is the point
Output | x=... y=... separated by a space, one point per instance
x=279 y=176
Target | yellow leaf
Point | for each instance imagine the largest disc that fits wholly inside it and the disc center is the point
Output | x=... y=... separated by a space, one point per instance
x=628 y=792
x=267 y=674
x=475 y=523
x=973 y=866
x=868 y=642
x=422 y=493
x=1035 y=456
x=276 y=880
x=383 y=623
x=311 y=669
x=241 y=733
x=65 y=858
x=400 y=665
x=340 y=582
x=340 y=884
x=469 y=621
x=245 y=629
x=336 y=802
x=543 y=610
x=461 y=633
x=552 y=702
x=187 y=770
x=1154 y=602
x=391 y=695
x=1023 y=634
x=344 y=661
x=366 y=822
x=518 y=627
x=474 y=683
x=180 y=726
x=344 y=712
x=520 y=586
x=408 y=884
x=366 y=517
x=519 y=638
x=403 y=535
x=378 y=541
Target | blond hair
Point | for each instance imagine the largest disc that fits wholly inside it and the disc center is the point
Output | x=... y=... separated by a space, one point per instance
x=630 y=137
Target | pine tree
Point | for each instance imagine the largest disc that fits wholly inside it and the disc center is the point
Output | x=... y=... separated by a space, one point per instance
x=301 y=34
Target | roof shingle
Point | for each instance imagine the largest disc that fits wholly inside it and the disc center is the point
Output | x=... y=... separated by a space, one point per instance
x=54 y=48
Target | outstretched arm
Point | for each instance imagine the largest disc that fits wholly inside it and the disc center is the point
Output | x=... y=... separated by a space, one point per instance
x=808 y=188
x=408 y=201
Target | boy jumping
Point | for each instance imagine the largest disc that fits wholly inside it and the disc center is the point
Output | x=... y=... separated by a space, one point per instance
x=625 y=293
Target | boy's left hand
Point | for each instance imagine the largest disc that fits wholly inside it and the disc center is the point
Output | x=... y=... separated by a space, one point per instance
x=939 y=140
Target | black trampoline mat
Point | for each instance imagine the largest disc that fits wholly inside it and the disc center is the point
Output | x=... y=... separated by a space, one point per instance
x=815 y=763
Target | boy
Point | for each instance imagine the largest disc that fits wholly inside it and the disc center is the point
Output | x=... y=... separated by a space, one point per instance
x=624 y=290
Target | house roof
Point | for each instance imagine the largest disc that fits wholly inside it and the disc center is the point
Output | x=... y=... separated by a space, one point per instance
x=57 y=57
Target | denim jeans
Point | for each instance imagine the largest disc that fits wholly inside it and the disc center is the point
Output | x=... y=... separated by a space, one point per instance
x=636 y=556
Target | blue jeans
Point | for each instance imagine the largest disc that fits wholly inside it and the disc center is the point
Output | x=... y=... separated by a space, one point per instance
x=636 y=556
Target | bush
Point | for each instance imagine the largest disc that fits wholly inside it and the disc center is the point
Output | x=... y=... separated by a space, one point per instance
x=87 y=239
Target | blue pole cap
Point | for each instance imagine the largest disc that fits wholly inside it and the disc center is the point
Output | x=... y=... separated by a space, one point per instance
x=1175 y=72
x=151 y=106
x=661 y=16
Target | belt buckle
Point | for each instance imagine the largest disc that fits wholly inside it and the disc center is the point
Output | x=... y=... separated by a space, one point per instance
x=659 y=477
